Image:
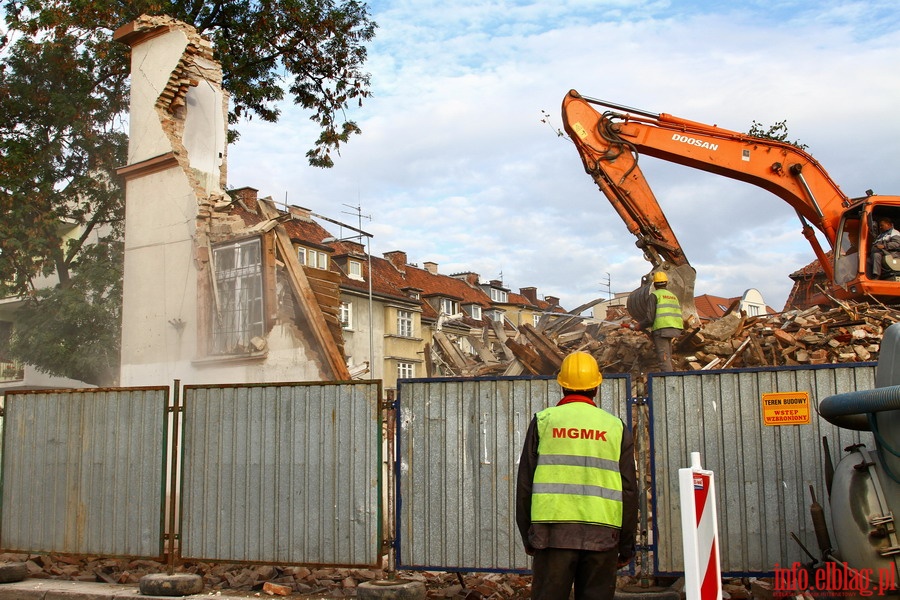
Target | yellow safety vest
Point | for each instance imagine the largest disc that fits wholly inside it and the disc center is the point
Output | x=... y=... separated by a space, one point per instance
x=668 y=311
x=577 y=479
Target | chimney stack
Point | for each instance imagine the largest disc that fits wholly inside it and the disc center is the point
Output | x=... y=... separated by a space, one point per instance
x=431 y=267
x=247 y=195
x=530 y=293
x=397 y=258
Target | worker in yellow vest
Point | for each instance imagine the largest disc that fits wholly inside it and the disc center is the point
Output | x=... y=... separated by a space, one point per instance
x=666 y=321
x=576 y=492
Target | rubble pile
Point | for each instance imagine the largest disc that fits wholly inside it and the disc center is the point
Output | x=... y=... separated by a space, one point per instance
x=850 y=332
x=267 y=581
x=255 y=580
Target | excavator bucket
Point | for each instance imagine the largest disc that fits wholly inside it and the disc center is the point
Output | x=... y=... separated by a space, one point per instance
x=681 y=283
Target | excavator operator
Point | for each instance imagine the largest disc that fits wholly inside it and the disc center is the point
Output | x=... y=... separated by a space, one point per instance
x=666 y=323
x=886 y=251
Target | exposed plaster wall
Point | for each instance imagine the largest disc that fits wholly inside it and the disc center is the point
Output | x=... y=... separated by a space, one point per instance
x=174 y=179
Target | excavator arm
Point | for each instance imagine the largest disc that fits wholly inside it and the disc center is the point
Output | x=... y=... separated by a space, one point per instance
x=610 y=143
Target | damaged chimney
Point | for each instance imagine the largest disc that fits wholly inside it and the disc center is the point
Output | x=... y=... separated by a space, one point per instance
x=246 y=196
x=300 y=213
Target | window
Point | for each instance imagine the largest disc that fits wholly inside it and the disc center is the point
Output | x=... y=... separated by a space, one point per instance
x=354 y=269
x=313 y=258
x=404 y=323
x=475 y=311
x=448 y=306
x=499 y=295
x=238 y=317
x=346 y=315
x=535 y=319
x=318 y=260
x=406 y=370
x=753 y=310
x=495 y=315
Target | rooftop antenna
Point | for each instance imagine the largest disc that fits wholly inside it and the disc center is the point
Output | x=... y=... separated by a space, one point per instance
x=357 y=210
x=608 y=284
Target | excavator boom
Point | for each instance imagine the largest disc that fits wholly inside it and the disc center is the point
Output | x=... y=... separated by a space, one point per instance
x=611 y=142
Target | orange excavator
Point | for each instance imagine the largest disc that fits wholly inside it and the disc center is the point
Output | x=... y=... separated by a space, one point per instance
x=610 y=143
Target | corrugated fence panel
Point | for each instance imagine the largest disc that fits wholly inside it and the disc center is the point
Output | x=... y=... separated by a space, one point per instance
x=458 y=446
x=282 y=473
x=763 y=473
x=83 y=471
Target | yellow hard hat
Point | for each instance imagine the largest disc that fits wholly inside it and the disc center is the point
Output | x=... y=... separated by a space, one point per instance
x=579 y=371
x=660 y=277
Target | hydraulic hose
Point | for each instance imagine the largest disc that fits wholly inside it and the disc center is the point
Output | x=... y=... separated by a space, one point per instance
x=855 y=410
x=849 y=410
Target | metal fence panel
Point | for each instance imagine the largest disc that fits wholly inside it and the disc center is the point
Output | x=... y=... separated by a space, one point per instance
x=458 y=446
x=83 y=471
x=763 y=473
x=282 y=473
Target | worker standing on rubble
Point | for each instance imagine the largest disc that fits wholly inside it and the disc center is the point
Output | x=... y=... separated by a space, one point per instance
x=666 y=323
x=576 y=494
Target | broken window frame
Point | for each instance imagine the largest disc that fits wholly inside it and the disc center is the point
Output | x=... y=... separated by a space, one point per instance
x=405 y=323
x=239 y=284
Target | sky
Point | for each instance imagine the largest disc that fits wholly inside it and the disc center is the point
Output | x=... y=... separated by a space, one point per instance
x=459 y=161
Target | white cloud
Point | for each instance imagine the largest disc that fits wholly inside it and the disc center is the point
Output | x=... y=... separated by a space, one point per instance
x=455 y=166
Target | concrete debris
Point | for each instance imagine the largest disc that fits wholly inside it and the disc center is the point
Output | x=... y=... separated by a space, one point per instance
x=850 y=332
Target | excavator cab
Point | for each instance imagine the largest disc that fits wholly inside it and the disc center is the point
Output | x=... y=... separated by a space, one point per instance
x=854 y=254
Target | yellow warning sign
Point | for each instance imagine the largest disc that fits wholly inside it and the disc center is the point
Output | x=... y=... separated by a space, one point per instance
x=785 y=408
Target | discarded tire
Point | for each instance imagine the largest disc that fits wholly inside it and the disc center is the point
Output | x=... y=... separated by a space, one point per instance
x=10 y=572
x=178 y=584
x=391 y=590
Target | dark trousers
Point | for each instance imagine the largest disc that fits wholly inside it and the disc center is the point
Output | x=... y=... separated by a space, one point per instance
x=554 y=570
x=663 y=347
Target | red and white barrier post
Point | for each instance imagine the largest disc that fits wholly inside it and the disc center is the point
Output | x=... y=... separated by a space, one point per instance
x=700 y=532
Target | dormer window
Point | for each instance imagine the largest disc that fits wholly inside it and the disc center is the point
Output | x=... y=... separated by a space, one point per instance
x=475 y=312
x=313 y=258
x=449 y=307
x=354 y=269
x=498 y=295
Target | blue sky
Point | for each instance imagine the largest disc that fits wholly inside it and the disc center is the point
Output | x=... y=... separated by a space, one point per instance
x=455 y=166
